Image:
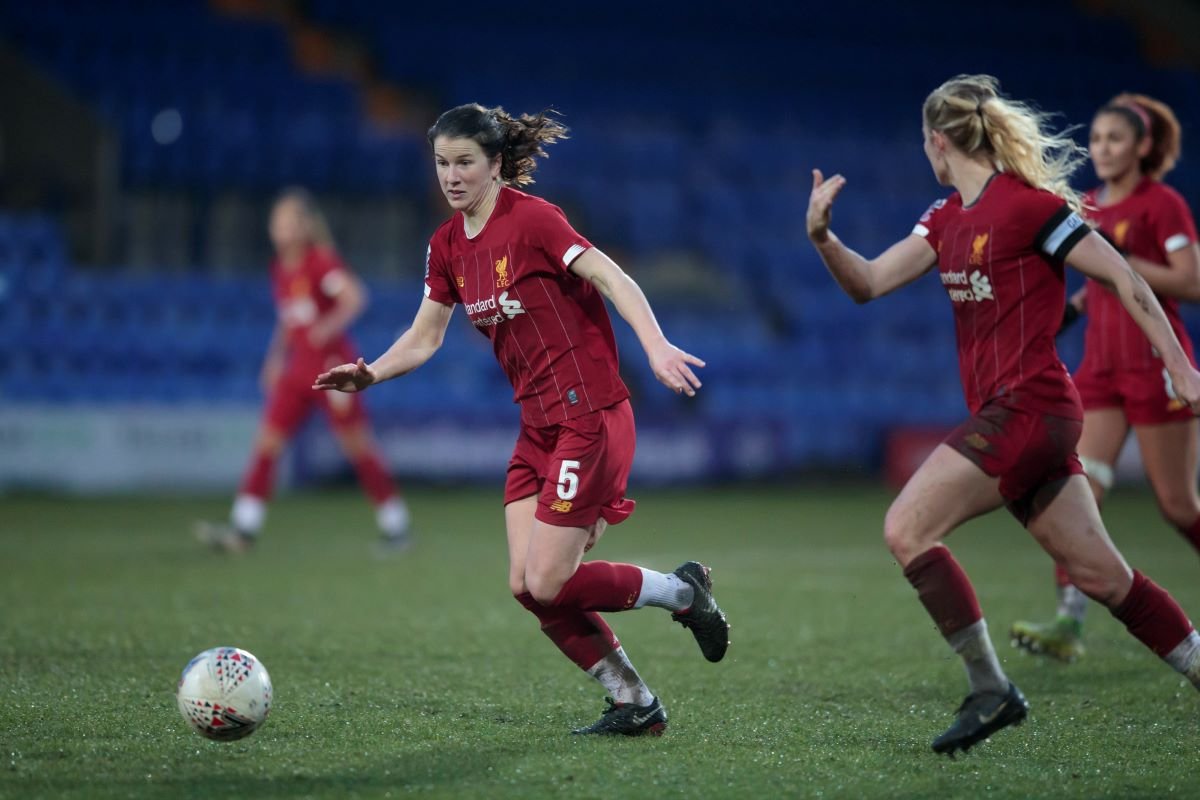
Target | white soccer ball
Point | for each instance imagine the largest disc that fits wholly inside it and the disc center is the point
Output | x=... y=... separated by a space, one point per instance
x=224 y=693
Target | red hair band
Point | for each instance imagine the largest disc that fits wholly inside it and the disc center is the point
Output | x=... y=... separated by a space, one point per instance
x=1142 y=114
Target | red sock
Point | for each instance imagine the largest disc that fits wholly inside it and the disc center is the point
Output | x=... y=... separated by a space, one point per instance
x=1153 y=616
x=1192 y=534
x=260 y=475
x=374 y=477
x=1061 y=578
x=944 y=590
x=601 y=586
x=582 y=636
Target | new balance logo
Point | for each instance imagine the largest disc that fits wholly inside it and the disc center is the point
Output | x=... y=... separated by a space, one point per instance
x=561 y=506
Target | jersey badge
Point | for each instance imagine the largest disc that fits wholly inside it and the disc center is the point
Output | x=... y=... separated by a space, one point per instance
x=976 y=259
x=1120 y=231
x=502 y=278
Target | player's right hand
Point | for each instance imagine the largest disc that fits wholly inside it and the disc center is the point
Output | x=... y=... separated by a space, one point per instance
x=346 y=378
x=820 y=204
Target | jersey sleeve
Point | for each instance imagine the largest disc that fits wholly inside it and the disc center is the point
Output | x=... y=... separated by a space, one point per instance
x=439 y=286
x=330 y=273
x=1172 y=223
x=549 y=231
x=929 y=227
x=1056 y=227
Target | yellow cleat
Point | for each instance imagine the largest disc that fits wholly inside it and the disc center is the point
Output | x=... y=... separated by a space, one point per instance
x=1061 y=639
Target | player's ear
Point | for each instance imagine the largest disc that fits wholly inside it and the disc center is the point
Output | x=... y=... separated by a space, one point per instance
x=1145 y=146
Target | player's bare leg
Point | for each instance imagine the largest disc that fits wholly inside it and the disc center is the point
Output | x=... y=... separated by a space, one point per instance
x=1104 y=433
x=249 y=510
x=1069 y=528
x=1170 y=453
x=945 y=492
x=391 y=512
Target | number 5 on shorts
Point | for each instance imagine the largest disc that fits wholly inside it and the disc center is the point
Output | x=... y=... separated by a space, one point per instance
x=568 y=481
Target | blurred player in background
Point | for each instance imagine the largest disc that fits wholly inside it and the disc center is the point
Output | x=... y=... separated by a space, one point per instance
x=1000 y=242
x=535 y=287
x=1135 y=141
x=317 y=298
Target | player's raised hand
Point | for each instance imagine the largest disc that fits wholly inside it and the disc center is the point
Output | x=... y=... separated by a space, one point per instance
x=820 y=204
x=346 y=378
x=673 y=368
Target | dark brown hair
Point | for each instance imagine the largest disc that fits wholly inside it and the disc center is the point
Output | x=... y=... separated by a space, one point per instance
x=519 y=141
x=1166 y=135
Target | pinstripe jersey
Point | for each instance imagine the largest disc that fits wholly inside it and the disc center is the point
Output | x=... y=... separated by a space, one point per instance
x=1001 y=263
x=1151 y=223
x=549 y=328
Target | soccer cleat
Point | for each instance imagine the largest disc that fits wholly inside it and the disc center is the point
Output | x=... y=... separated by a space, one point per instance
x=1061 y=639
x=981 y=715
x=626 y=719
x=222 y=536
x=704 y=619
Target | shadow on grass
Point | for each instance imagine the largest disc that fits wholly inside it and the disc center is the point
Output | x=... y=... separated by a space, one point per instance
x=446 y=770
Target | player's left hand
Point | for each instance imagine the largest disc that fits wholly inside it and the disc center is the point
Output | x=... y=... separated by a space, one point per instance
x=346 y=378
x=671 y=367
x=1186 y=385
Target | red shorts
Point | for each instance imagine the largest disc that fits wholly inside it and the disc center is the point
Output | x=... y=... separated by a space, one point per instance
x=1145 y=395
x=1027 y=450
x=579 y=470
x=292 y=398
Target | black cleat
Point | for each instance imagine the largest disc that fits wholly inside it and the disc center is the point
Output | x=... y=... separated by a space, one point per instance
x=625 y=719
x=981 y=715
x=704 y=619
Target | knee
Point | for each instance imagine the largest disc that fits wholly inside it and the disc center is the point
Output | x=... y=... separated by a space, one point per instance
x=354 y=441
x=900 y=535
x=544 y=586
x=1180 y=509
x=1105 y=586
x=270 y=442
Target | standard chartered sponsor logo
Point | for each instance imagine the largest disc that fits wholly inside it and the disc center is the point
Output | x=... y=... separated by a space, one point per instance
x=980 y=286
x=507 y=310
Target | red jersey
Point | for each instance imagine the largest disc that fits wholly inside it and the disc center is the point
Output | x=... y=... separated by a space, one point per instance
x=1000 y=261
x=305 y=293
x=549 y=328
x=1150 y=223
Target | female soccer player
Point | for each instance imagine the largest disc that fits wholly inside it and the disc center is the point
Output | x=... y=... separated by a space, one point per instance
x=1000 y=242
x=317 y=299
x=535 y=287
x=1135 y=141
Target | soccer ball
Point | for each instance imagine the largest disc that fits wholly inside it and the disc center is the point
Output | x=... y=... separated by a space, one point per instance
x=224 y=693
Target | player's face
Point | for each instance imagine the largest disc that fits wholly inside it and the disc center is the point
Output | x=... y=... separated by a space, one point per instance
x=1114 y=147
x=464 y=172
x=288 y=226
x=935 y=151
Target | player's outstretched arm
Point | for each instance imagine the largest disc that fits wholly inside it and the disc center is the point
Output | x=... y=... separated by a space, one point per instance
x=863 y=280
x=672 y=366
x=414 y=347
x=1097 y=259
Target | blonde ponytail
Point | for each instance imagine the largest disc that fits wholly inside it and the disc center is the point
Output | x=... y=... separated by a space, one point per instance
x=970 y=111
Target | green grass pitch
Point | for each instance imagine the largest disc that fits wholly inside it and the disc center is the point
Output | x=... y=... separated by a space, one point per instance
x=420 y=676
